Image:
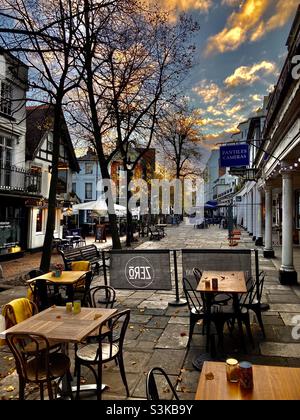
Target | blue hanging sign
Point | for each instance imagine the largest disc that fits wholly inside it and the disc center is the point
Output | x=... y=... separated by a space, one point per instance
x=234 y=155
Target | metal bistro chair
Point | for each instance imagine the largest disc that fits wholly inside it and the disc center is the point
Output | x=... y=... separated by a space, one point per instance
x=38 y=366
x=99 y=297
x=151 y=385
x=195 y=306
x=254 y=301
x=94 y=355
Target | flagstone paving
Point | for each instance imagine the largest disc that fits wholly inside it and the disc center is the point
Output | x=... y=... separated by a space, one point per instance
x=157 y=334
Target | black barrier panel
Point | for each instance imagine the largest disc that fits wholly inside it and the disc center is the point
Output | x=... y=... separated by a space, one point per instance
x=216 y=260
x=145 y=269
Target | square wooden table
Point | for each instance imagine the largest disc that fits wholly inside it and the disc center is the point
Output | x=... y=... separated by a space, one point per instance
x=57 y=324
x=228 y=282
x=67 y=278
x=270 y=383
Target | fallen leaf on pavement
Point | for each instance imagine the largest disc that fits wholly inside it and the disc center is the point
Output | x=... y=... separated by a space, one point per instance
x=10 y=388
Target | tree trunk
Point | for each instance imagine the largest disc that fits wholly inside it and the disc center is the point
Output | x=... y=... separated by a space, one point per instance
x=116 y=243
x=47 y=247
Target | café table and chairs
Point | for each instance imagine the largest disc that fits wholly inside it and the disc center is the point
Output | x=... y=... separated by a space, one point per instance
x=229 y=282
x=45 y=287
x=58 y=325
x=267 y=383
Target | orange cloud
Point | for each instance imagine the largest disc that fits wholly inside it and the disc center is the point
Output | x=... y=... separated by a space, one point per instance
x=247 y=75
x=250 y=23
x=176 y=6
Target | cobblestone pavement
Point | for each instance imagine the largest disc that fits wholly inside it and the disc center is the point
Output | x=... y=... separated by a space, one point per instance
x=158 y=333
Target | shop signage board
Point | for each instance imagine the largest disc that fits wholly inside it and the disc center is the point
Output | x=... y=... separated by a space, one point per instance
x=234 y=155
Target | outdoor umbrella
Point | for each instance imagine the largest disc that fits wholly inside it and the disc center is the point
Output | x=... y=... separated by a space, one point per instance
x=99 y=206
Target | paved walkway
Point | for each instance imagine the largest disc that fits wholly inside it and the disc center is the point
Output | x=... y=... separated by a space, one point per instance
x=158 y=333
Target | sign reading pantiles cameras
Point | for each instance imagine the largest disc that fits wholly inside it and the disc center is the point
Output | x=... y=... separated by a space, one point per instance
x=140 y=270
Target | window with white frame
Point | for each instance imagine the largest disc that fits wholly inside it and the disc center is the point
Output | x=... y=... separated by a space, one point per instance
x=6 y=148
x=88 y=191
x=5 y=98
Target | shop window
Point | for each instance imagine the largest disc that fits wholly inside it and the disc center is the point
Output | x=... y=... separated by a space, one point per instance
x=39 y=221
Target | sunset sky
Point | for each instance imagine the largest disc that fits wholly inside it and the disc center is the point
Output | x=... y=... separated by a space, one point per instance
x=241 y=48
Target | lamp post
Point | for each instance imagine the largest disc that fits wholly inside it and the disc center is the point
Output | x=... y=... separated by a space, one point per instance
x=129 y=170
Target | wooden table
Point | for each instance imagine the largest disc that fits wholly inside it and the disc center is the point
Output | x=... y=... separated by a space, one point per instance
x=57 y=324
x=230 y=282
x=67 y=278
x=270 y=383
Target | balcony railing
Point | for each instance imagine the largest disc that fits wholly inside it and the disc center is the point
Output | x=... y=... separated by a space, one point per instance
x=14 y=179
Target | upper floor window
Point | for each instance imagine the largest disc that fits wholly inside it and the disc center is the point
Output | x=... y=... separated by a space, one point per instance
x=5 y=98
x=88 y=168
x=88 y=191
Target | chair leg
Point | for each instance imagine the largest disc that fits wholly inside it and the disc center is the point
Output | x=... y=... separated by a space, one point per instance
x=78 y=370
x=249 y=332
x=69 y=379
x=50 y=391
x=123 y=375
x=42 y=391
x=260 y=321
x=21 y=389
x=192 y=326
x=99 y=382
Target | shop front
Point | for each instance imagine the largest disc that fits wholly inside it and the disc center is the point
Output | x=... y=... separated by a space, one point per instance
x=13 y=227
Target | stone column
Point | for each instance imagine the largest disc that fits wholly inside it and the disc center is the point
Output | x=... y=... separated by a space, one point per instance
x=254 y=212
x=287 y=273
x=245 y=204
x=268 y=250
x=259 y=236
x=250 y=214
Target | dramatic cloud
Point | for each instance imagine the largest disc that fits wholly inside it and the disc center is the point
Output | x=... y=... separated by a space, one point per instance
x=177 y=6
x=251 y=22
x=209 y=92
x=247 y=75
x=232 y=3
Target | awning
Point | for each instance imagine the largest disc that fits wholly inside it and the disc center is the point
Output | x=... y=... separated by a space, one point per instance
x=211 y=205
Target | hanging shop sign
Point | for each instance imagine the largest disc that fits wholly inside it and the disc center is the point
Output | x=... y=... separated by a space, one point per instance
x=246 y=174
x=234 y=155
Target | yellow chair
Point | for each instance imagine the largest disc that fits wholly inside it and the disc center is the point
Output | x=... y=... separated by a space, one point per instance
x=18 y=310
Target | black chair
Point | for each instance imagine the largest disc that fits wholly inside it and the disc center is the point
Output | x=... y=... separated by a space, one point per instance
x=222 y=315
x=38 y=365
x=151 y=385
x=195 y=306
x=254 y=301
x=99 y=297
x=107 y=348
x=102 y=296
x=81 y=289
